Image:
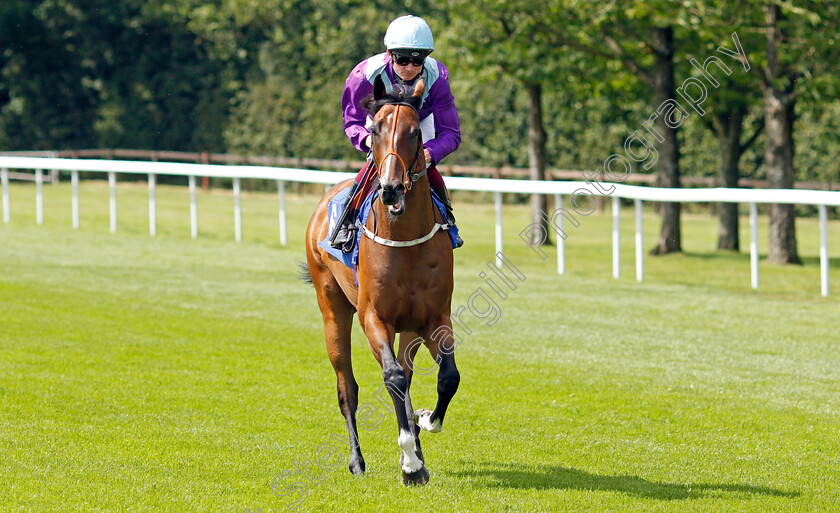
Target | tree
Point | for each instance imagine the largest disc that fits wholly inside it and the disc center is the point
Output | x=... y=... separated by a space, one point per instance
x=96 y=72
x=47 y=88
x=504 y=38
x=779 y=85
x=730 y=104
x=303 y=52
x=799 y=44
x=640 y=35
x=728 y=123
x=730 y=110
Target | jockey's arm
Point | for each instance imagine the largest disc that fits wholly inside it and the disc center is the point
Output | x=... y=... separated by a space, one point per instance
x=447 y=123
x=356 y=87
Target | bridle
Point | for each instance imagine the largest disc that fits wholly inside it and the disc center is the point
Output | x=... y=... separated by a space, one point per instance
x=408 y=177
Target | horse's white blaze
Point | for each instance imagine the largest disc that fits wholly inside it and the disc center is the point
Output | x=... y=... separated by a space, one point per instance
x=410 y=463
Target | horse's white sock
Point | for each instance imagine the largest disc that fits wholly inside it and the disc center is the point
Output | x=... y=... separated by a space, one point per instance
x=411 y=463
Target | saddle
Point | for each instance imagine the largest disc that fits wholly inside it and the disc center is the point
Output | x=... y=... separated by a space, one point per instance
x=334 y=214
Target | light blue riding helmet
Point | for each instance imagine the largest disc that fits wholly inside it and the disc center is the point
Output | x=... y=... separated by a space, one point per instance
x=409 y=32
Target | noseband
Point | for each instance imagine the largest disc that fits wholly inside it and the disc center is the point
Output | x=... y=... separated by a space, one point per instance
x=408 y=177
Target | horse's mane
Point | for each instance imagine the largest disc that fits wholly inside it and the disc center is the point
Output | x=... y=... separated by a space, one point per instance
x=401 y=94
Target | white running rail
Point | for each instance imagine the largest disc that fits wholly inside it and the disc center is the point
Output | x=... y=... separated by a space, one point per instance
x=574 y=190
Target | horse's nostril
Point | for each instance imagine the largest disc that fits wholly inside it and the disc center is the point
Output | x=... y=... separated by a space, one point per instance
x=389 y=194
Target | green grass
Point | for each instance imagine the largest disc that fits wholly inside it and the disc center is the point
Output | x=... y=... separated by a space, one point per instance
x=172 y=374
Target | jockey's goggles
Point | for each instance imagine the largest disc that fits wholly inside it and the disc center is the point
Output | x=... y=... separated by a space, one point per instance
x=404 y=60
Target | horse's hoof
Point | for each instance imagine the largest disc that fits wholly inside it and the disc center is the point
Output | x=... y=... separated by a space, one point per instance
x=357 y=467
x=423 y=418
x=416 y=478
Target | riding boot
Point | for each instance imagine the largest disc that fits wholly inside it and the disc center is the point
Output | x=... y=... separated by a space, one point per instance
x=443 y=194
x=343 y=236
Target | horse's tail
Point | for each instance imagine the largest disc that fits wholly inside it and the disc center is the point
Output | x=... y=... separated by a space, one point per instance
x=303 y=273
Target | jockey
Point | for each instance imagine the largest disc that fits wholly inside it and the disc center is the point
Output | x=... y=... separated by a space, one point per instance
x=408 y=42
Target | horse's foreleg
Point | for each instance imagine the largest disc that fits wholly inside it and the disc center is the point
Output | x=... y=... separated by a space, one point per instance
x=409 y=344
x=381 y=340
x=441 y=343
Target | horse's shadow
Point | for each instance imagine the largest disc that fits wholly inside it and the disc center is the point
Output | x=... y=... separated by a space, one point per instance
x=545 y=477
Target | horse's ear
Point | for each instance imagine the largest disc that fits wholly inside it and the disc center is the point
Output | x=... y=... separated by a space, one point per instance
x=378 y=88
x=419 y=88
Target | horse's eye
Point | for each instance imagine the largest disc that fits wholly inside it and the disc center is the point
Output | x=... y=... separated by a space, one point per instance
x=374 y=131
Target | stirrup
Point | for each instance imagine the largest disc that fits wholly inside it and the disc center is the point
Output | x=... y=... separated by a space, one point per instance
x=344 y=236
x=458 y=241
x=341 y=233
x=450 y=219
x=443 y=196
x=348 y=246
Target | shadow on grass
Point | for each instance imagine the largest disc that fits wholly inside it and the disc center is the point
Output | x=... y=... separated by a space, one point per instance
x=814 y=261
x=744 y=257
x=721 y=255
x=512 y=475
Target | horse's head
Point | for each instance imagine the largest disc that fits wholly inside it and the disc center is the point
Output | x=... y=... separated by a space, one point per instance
x=397 y=143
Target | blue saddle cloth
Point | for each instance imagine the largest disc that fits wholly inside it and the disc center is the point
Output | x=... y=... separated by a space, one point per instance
x=334 y=209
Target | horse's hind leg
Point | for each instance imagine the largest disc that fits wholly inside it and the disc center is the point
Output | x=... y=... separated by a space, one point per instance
x=338 y=320
x=441 y=343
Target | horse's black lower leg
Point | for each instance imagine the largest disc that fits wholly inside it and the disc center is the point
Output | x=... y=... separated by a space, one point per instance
x=407 y=352
x=440 y=341
x=409 y=409
x=414 y=471
x=448 y=380
x=415 y=429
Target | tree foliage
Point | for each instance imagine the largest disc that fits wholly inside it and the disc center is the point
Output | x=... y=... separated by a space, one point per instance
x=265 y=76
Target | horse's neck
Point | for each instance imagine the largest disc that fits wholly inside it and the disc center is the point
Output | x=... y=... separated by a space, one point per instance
x=417 y=220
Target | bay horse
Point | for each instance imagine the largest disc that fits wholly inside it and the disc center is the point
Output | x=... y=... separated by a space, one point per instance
x=404 y=281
